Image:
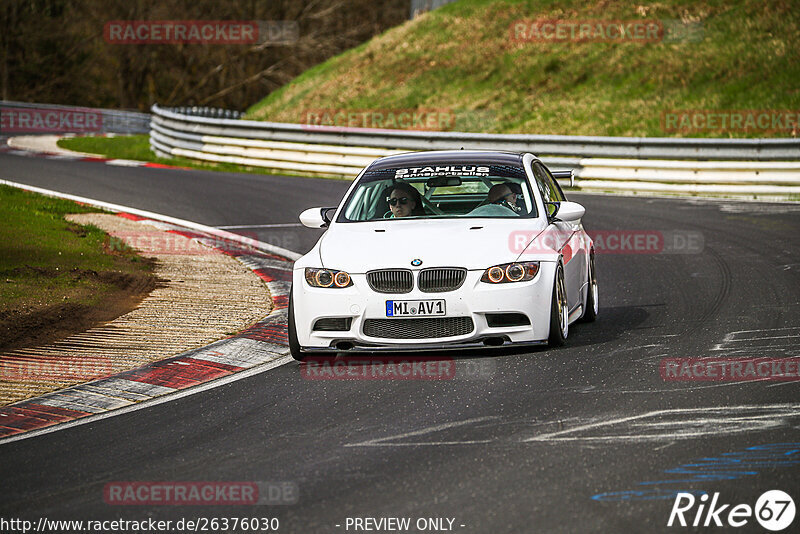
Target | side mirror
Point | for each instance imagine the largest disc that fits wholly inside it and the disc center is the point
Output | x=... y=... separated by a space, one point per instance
x=315 y=217
x=568 y=211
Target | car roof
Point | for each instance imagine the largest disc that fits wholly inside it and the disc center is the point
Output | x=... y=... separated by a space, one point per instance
x=437 y=157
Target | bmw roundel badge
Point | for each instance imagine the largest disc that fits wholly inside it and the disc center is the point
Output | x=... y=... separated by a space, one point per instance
x=416 y=263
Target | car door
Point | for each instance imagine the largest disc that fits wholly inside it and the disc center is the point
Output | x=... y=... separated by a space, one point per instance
x=568 y=235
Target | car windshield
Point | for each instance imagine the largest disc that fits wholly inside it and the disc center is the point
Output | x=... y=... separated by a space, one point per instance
x=440 y=191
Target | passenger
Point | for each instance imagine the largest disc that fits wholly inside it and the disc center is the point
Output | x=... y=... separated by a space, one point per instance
x=404 y=201
x=502 y=195
x=517 y=190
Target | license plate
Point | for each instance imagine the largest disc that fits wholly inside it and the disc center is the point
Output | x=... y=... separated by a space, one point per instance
x=415 y=308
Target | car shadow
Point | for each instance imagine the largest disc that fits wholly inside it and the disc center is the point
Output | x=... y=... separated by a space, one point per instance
x=609 y=326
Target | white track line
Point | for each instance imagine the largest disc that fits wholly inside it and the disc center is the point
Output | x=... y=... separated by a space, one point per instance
x=266 y=247
x=276 y=225
x=379 y=442
x=560 y=435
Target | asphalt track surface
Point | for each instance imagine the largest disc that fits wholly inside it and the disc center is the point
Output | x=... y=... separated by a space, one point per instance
x=537 y=441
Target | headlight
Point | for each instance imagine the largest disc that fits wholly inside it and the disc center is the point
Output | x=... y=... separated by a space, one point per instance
x=327 y=278
x=510 y=272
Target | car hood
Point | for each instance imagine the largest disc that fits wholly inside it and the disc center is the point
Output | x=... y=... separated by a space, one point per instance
x=469 y=243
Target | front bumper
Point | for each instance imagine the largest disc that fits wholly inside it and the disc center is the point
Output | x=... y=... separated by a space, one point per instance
x=345 y=346
x=474 y=299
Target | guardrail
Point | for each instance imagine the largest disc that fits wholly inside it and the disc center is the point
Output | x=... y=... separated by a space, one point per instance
x=753 y=166
x=27 y=118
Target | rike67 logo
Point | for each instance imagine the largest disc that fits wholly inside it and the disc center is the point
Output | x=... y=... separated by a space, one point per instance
x=774 y=510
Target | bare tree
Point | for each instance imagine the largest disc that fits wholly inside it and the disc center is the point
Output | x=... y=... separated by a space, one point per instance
x=55 y=51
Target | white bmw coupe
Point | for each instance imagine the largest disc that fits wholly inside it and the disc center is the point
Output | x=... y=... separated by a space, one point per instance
x=444 y=250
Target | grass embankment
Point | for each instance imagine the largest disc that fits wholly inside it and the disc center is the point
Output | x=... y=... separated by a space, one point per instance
x=461 y=61
x=56 y=277
x=134 y=147
x=462 y=58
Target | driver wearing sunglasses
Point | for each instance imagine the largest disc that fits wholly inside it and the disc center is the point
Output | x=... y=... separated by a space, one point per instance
x=404 y=201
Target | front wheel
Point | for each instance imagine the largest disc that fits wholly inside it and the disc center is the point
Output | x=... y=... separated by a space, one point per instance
x=592 y=294
x=559 y=312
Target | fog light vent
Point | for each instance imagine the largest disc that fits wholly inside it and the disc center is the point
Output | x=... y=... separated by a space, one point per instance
x=333 y=324
x=499 y=320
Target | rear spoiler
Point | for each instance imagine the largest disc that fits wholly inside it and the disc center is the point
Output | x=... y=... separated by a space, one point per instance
x=565 y=175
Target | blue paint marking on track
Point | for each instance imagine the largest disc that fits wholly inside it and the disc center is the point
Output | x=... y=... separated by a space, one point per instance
x=727 y=466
